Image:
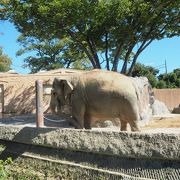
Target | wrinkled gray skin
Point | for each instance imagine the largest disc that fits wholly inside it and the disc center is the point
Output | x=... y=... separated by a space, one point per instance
x=98 y=95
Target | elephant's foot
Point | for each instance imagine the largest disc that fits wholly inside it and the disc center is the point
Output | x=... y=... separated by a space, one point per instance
x=87 y=127
x=75 y=124
x=134 y=127
x=123 y=126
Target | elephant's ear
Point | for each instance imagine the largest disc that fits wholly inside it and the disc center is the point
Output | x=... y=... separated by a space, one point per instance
x=68 y=88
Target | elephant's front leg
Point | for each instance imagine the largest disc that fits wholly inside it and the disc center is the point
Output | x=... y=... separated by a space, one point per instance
x=78 y=111
x=87 y=121
x=73 y=122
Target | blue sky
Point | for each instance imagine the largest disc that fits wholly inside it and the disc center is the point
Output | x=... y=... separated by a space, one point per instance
x=154 y=55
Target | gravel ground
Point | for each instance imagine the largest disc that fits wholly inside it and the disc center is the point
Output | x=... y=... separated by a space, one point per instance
x=160 y=124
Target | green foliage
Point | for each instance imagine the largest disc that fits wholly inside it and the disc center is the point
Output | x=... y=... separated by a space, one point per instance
x=170 y=80
x=5 y=62
x=103 y=31
x=161 y=84
x=51 y=54
x=148 y=71
x=141 y=70
x=3 y=165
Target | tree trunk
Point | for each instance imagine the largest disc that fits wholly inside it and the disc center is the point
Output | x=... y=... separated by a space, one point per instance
x=116 y=58
x=106 y=53
x=94 y=52
x=81 y=46
x=124 y=68
x=142 y=47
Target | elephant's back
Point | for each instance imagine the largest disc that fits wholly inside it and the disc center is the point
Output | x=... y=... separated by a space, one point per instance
x=103 y=75
x=107 y=83
x=107 y=80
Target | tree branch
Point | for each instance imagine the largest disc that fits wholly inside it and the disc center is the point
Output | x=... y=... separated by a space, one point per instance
x=94 y=52
x=72 y=35
x=106 y=52
x=144 y=45
x=116 y=58
x=124 y=68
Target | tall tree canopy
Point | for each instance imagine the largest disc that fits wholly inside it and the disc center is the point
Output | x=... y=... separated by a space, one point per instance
x=106 y=31
x=51 y=54
x=5 y=62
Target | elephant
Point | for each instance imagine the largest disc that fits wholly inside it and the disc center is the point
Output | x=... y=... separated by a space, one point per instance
x=98 y=94
x=56 y=106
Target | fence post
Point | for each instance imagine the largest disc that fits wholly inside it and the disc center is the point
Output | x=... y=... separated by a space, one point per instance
x=39 y=104
x=2 y=97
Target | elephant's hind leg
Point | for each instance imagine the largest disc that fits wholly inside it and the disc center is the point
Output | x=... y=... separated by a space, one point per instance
x=134 y=126
x=130 y=115
x=132 y=119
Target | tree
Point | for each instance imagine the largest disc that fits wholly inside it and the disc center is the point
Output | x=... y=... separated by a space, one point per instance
x=105 y=31
x=5 y=62
x=50 y=54
x=170 y=80
x=147 y=71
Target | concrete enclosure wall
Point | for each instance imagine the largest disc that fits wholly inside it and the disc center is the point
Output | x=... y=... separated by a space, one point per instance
x=17 y=92
x=171 y=97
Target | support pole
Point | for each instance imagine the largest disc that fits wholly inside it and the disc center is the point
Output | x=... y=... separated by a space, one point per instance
x=39 y=104
x=166 y=66
x=2 y=97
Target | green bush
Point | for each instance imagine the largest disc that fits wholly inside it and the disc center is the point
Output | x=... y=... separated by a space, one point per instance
x=3 y=170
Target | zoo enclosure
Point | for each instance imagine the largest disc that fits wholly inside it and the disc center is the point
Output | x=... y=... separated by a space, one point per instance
x=17 y=92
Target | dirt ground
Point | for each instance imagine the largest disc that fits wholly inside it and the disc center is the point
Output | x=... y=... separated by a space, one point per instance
x=164 y=122
x=159 y=124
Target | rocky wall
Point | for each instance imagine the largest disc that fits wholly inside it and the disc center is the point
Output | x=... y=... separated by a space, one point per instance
x=93 y=154
x=137 y=145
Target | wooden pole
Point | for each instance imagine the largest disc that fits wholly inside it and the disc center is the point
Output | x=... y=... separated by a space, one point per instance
x=2 y=97
x=39 y=104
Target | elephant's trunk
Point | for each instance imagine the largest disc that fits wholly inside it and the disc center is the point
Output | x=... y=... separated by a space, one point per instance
x=55 y=104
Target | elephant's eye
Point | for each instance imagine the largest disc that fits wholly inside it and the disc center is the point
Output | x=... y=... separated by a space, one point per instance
x=54 y=93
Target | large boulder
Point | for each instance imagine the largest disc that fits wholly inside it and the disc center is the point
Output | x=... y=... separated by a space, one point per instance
x=159 y=108
x=176 y=110
x=146 y=99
